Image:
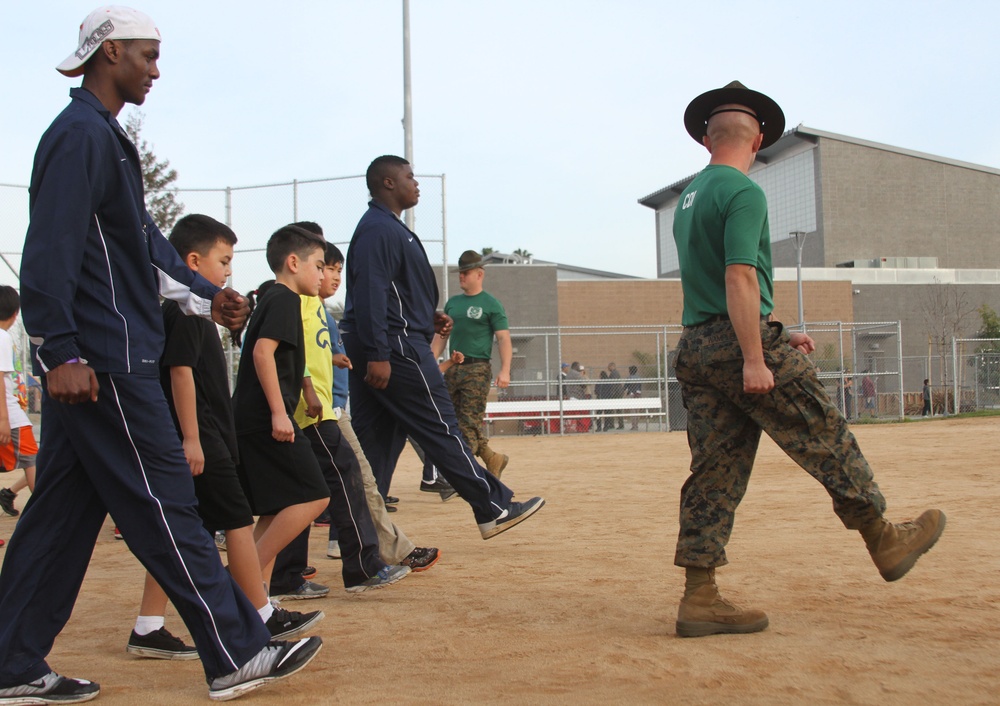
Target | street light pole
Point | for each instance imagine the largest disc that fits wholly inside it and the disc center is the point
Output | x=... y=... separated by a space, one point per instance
x=800 y=240
x=407 y=102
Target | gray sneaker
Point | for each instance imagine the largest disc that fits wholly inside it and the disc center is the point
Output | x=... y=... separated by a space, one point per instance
x=276 y=660
x=51 y=689
x=307 y=590
x=388 y=575
x=515 y=514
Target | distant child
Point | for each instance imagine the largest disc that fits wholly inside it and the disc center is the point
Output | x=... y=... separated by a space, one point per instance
x=278 y=469
x=193 y=373
x=927 y=398
x=17 y=439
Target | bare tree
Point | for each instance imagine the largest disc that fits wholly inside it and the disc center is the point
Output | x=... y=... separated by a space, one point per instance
x=157 y=177
x=947 y=313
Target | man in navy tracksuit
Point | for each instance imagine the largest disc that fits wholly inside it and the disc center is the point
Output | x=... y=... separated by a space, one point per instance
x=94 y=264
x=396 y=387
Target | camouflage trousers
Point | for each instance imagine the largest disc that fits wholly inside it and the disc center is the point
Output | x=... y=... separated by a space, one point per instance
x=724 y=426
x=468 y=386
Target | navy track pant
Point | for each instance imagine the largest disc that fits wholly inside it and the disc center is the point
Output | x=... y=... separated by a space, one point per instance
x=120 y=455
x=348 y=513
x=416 y=403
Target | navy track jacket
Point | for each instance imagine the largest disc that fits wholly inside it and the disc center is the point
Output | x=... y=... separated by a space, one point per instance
x=391 y=288
x=94 y=261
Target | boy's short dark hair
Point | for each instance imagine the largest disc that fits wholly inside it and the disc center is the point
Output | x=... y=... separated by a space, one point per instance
x=311 y=226
x=379 y=170
x=10 y=302
x=199 y=233
x=288 y=240
x=333 y=256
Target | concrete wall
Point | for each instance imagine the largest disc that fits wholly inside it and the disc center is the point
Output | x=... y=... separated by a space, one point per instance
x=878 y=203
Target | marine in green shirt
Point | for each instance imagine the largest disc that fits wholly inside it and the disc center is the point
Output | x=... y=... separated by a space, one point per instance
x=478 y=317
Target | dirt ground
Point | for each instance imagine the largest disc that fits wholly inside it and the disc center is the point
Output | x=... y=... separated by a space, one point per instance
x=577 y=605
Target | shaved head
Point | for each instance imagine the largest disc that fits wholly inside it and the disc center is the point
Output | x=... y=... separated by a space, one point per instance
x=730 y=125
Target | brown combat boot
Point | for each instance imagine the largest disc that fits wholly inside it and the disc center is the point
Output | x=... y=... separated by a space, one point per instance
x=704 y=612
x=494 y=462
x=896 y=548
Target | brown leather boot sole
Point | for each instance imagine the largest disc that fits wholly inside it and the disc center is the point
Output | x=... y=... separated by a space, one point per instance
x=900 y=569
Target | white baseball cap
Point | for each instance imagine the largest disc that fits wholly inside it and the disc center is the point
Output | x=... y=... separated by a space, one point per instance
x=109 y=22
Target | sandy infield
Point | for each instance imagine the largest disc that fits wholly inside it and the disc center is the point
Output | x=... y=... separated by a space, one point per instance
x=577 y=605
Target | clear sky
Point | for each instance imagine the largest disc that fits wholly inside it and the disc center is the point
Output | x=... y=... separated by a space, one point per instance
x=549 y=118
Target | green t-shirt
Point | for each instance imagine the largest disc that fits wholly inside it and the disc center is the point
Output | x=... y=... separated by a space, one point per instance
x=721 y=220
x=476 y=318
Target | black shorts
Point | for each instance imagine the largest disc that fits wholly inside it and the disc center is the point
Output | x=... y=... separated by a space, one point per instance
x=222 y=503
x=278 y=474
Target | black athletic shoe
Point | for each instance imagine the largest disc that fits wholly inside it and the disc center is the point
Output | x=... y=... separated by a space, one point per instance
x=7 y=502
x=286 y=624
x=159 y=644
x=309 y=573
x=51 y=689
x=276 y=660
x=439 y=485
x=515 y=514
x=390 y=500
x=421 y=558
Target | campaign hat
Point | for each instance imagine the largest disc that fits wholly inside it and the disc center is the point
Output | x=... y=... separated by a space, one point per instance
x=767 y=111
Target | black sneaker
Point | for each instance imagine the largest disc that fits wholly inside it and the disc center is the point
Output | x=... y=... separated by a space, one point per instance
x=51 y=689
x=309 y=573
x=447 y=495
x=439 y=485
x=421 y=558
x=391 y=500
x=515 y=514
x=286 y=624
x=159 y=644
x=277 y=660
x=7 y=502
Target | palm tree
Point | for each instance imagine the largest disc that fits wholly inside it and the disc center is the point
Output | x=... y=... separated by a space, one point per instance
x=487 y=251
x=523 y=253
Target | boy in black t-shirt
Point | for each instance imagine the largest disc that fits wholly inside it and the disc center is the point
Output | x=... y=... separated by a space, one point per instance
x=278 y=469
x=194 y=379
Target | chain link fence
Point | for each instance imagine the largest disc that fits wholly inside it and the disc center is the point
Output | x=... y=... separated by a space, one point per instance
x=975 y=368
x=256 y=211
x=859 y=364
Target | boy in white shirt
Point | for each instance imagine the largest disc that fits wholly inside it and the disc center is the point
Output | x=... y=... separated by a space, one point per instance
x=17 y=439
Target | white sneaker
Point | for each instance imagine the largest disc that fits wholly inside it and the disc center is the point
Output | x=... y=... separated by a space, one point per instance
x=51 y=688
x=276 y=660
x=333 y=549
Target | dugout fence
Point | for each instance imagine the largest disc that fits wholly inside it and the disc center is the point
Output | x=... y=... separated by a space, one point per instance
x=859 y=363
x=975 y=375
